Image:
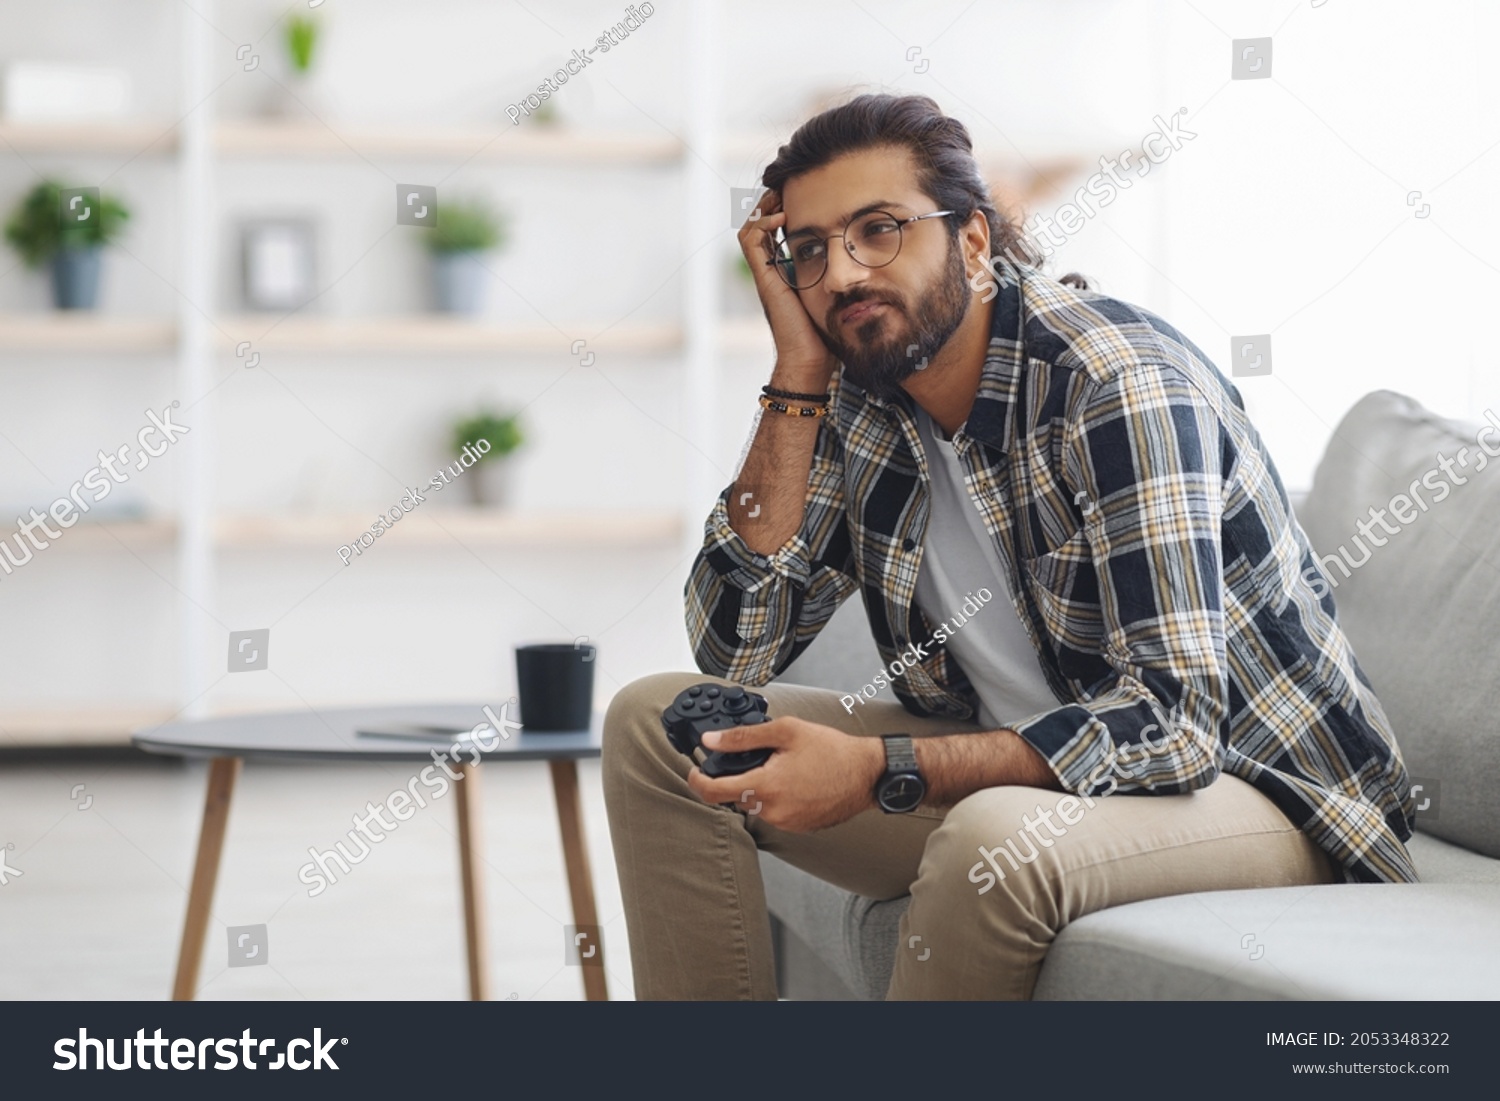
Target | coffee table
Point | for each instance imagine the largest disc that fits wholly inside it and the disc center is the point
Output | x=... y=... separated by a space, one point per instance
x=331 y=735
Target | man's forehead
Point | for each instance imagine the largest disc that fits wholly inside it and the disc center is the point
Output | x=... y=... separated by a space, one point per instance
x=824 y=198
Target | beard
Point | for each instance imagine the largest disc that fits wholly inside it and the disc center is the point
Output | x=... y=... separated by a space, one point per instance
x=880 y=366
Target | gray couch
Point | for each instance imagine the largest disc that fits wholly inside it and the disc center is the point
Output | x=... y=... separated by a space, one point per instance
x=1423 y=614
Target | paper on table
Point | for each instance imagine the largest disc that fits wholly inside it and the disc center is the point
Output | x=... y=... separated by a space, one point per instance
x=426 y=732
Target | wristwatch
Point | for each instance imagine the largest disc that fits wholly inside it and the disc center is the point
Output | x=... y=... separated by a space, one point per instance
x=901 y=788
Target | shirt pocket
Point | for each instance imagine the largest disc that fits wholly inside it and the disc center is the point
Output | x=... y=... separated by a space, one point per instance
x=1066 y=587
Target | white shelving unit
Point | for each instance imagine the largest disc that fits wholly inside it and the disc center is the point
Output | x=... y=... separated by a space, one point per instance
x=196 y=336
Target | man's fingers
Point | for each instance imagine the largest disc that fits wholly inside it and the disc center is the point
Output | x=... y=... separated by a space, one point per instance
x=768 y=206
x=738 y=738
x=765 y=225
x=725 y=789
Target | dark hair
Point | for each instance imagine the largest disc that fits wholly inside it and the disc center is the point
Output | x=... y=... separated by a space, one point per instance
x=946 y=169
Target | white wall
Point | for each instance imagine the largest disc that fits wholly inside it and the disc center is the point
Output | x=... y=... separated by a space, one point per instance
x=1286 y=214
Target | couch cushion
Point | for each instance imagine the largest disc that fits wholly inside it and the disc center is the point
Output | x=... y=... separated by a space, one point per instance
x=1420 y=610
x=1415 y=941
x=858 y=937
x=1440 y=862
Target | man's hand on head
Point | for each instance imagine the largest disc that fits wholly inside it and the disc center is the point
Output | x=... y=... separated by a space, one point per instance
x=818 y=776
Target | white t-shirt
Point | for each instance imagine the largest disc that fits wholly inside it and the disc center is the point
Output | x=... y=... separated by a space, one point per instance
x=959 y=557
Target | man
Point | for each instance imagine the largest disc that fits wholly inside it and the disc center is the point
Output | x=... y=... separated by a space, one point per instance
x=1079 y=562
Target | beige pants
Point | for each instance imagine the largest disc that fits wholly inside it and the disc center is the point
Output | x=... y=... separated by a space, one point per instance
x=696 y=910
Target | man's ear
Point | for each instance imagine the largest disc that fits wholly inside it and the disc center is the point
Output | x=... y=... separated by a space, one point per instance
x=975 y=238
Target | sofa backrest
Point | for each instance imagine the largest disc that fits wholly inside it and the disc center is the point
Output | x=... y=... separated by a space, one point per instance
x=843 y=657
x=1418 y=593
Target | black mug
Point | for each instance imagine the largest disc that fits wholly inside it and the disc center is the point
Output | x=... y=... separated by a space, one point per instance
x=556 y=685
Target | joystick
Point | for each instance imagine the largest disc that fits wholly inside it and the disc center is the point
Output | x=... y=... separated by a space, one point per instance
x=705 y=707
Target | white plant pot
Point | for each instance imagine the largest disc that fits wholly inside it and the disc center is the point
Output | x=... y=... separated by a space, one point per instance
x=460 y=281
x=297 y=98
x=491 y=483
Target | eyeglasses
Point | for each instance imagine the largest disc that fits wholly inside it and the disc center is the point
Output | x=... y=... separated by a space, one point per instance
x=872 y=240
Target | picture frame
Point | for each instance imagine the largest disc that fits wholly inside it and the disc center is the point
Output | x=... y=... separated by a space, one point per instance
x=278 y=262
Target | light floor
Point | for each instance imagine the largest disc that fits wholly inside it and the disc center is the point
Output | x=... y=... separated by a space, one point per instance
x=97 y=909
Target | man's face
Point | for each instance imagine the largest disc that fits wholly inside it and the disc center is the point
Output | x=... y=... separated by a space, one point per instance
x=923 y=294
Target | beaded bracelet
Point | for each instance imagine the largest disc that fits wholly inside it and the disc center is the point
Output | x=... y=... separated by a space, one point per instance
x=775 y=406
x=792 y=395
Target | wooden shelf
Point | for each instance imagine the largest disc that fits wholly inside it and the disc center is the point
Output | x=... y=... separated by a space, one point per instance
x=79 y=331
x=436 y=334
x=499 y=141
x=267 y=138
x=427 y=527
x=112 y=138
x=451 y=527
x=85 y=331
x=63 y=331
x=746 y=336
x=78 y=726
x=134 y=535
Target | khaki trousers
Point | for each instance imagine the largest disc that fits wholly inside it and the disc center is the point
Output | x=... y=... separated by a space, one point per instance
x=695 y=907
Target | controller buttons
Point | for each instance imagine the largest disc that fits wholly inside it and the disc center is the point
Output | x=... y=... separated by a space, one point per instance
x=713 y=692
x=696 y=690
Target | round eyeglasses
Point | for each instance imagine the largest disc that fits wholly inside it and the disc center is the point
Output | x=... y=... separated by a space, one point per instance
x=872 y=240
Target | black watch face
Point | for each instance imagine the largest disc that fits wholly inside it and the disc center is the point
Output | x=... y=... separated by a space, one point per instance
x=902 y=793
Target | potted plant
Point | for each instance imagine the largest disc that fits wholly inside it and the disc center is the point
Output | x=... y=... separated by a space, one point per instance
x=488 y=439
x=464 y=231
x=38 y=230
x=295 y=97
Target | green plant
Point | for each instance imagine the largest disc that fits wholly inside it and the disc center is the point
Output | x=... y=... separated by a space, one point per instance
x=301 y=37
x=465 y=225
x=36 y=227
x=547 y=114
x=503 y=431
x=742 y=268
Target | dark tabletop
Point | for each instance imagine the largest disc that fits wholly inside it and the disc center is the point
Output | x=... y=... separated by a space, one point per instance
x=333 y=735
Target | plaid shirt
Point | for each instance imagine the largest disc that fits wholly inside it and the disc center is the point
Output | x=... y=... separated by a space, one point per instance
x=1154 y=561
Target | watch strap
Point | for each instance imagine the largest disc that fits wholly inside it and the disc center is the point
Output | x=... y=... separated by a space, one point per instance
x=900 y=754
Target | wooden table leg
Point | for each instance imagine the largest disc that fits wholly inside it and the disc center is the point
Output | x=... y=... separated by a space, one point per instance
x=576 y=857
x=222 y=772
x=469 y=859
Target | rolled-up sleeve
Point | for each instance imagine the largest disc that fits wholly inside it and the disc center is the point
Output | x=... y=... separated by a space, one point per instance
x=1145 y=461
x=749 y=615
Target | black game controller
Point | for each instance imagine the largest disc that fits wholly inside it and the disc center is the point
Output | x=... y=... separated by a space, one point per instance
x=705 y=707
